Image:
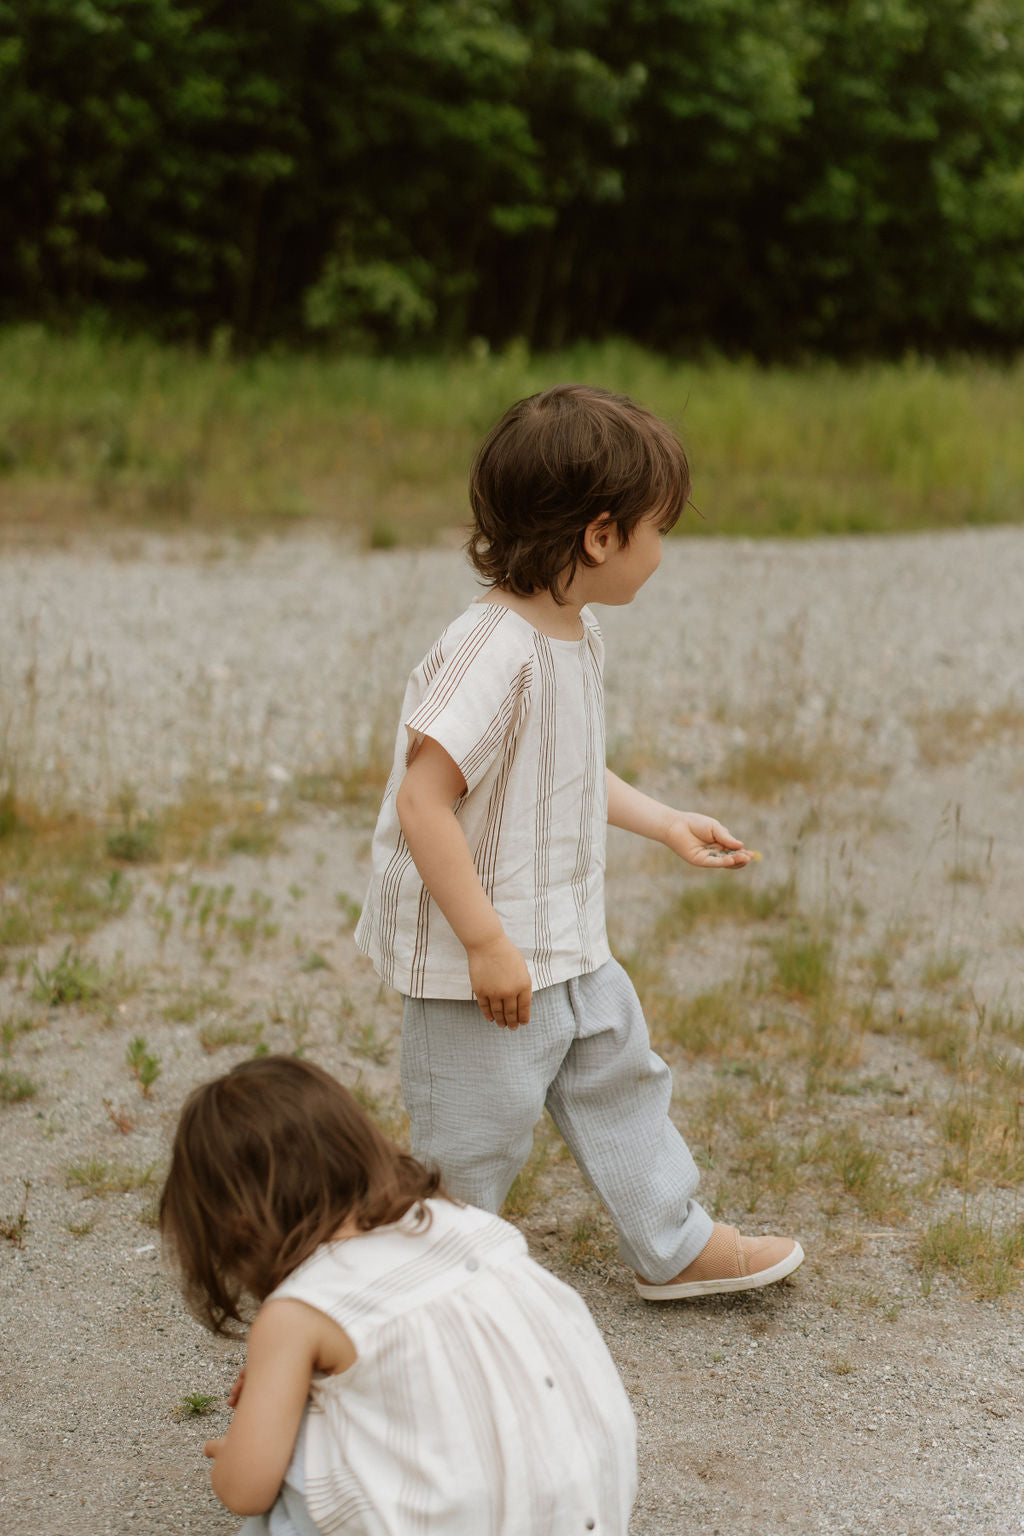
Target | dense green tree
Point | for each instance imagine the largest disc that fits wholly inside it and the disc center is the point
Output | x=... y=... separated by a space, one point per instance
x=764 y=175
x=900 y=208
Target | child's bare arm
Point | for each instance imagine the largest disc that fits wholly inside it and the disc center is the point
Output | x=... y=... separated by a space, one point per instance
x=250 y=1461
x=693 y=836
x=497 y=971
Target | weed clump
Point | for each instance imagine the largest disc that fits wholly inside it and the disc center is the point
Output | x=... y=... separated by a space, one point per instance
x=73 y=978
x=991 y=1262
x=15 y=1087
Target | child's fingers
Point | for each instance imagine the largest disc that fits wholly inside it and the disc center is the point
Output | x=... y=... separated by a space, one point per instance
x=731 y=858
x=506 y=1012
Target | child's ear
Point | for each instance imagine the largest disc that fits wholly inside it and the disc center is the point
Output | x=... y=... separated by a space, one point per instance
x=600 y=538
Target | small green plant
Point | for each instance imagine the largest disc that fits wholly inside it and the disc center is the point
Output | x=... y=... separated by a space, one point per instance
x=803 y=964
x=194 y=1405
x=98 y=1176
x=712 y=1022
x=991 y=1262
x=143 y=1065
x=367 y=1043
x=136 y=838
x=591 y=1244
x=13 y=1228
x=944 y=1034
x=842 y=1365
x=383 y=536
x=187 y=1006
x=764 y=770
x=149 y=1215
x=81 y=1228
x=863 y=1172
x=253 y=834
x=73 y=978
x=350 y=909
x=879 y=965
x=942 y=967
x=314 y=961
x=214 y=1037
x=293 y=1011
x=726 y=898
x=255 y=926
x=15 y=1087
x=12 y=1029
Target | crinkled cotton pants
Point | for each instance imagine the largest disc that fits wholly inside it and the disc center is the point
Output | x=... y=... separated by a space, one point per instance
x=475 y=1091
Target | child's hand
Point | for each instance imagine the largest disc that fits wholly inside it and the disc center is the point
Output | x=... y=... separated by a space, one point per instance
x=705 y=842
x=236 y=1390
x=501 y=982
x=213 y=1448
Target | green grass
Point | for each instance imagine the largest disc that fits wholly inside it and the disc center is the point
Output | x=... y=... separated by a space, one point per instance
x=712 y=1023
x=991 y=1262
x=214 y=1037
x=194 y=1405
x=142 y=1064
x=55 y=874
x=15 y=1087
x=13 y=1227
x=130 y=431
x=102 y=1176
x=864 y=1172
x=73 y=978
x=726 y=897
x=804 y=965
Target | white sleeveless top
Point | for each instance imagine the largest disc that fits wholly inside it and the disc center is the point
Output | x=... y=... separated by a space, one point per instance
x=522 y=714
x=483 y=1401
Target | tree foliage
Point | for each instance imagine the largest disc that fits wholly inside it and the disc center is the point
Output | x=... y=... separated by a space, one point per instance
x=764 y=175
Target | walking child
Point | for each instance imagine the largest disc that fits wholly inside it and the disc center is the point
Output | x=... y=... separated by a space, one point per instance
x=486 y=904
x=457 y=1387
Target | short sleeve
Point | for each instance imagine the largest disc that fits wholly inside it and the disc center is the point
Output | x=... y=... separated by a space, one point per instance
x=472 y=690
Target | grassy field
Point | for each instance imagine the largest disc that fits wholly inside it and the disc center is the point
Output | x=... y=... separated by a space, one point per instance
x=97 y=431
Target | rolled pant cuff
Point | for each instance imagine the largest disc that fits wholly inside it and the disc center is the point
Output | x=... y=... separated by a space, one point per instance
x=695 y=1233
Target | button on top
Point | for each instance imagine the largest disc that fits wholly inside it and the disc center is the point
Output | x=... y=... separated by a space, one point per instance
x=548 y=1382
x=472 y=1264
x=590 y=1525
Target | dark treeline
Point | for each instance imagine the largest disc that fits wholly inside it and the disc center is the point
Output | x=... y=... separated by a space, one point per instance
x=772 y=176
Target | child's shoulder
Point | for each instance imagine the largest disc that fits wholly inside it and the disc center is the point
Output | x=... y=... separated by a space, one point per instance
x=489 y=632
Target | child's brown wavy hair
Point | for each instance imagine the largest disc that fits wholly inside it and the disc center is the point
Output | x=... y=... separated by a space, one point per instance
x=268 y=1162
x=554 y=462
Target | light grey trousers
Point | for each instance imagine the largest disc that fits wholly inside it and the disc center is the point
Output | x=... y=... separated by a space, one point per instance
x=474 y=1093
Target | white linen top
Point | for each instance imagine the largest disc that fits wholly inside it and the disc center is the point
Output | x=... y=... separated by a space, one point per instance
x=483 y=1400
x=522 y=714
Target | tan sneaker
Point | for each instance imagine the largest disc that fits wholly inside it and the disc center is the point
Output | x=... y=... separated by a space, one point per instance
x=729 y=1262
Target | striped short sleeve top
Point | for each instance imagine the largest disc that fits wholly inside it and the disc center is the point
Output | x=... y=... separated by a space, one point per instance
x=522 y=714
x=483 y=1400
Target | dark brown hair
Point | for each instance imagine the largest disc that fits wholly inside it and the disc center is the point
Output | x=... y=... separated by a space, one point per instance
x=268 y=1162
x=554 y=462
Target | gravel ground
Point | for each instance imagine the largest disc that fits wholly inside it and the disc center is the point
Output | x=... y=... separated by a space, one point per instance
x=852 y=1399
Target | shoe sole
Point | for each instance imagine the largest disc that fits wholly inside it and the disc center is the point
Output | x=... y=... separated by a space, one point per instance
x=719 y=1287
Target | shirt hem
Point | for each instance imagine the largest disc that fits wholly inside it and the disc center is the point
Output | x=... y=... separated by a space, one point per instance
x=457 y=989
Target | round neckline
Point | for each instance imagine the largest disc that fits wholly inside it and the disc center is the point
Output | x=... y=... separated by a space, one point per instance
x=552 y=639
